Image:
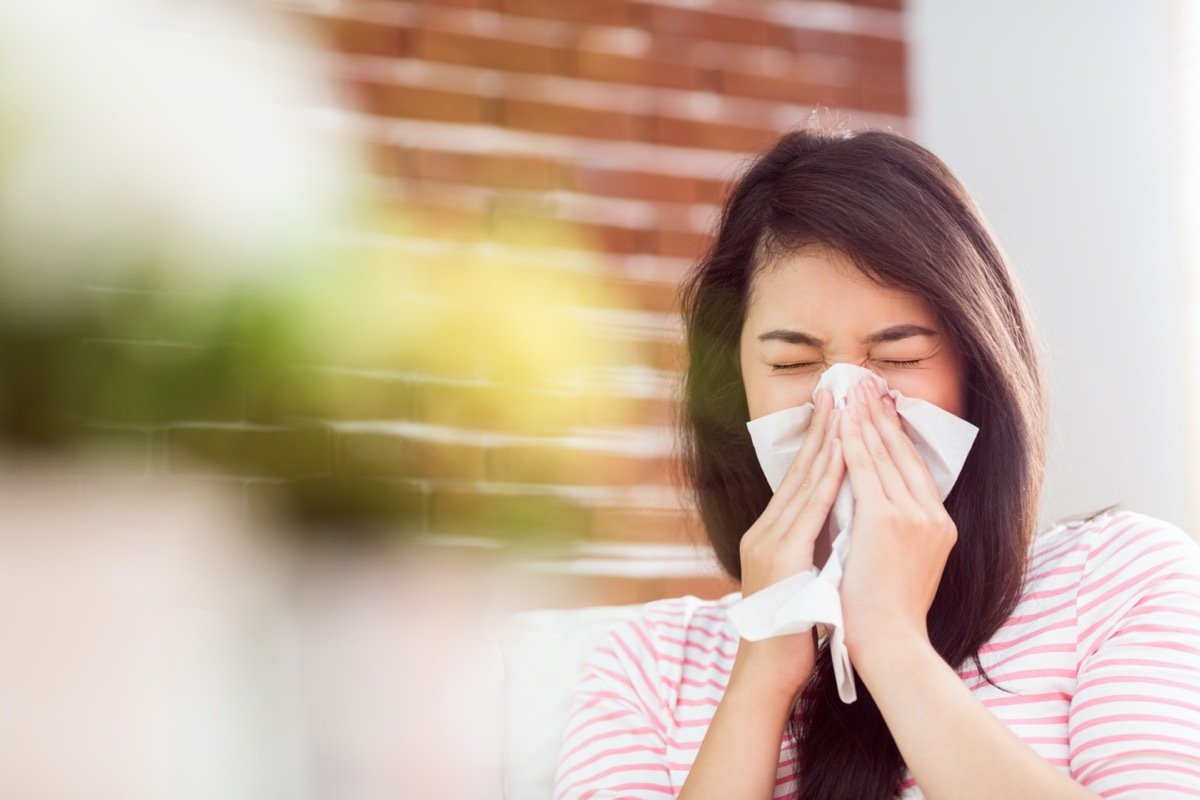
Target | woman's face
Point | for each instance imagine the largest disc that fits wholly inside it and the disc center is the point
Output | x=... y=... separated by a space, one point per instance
x=814 y=309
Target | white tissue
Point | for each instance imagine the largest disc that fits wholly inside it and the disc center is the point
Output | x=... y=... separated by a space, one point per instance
x=797 y=603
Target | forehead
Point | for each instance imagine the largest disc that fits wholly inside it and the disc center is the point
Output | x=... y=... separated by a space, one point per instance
x=820 y=287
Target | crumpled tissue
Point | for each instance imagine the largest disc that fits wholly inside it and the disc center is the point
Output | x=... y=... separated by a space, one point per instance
x=795 y=604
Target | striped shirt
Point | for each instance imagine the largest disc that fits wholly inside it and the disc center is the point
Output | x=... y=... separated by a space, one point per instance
x=1101 y=659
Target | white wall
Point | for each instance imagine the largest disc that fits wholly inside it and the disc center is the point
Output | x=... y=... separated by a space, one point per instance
x=1061 y=118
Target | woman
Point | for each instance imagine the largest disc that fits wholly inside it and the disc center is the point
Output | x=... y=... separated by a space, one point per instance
x=990 y=662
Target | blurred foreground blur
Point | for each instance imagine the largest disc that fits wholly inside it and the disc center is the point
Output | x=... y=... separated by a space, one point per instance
x=155 y=648
x=205 y=590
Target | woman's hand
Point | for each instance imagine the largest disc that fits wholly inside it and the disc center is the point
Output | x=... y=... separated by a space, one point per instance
x=739 y=756
x=781 y=542
x=901 y=534
x=901 y=538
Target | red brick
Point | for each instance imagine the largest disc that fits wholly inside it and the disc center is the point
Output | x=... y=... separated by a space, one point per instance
x=826 y=70
x=416 y=102
x=598 y=12
x=687 y=23
x=503 y=408
x=615 y=411
x=884 y=75
x=570 y=120
x=490 y=52
x=606 y=349
x=681 y=244
x=883 y=86
x=637 y=185
x=654 y=296
x=665 y=354
x=367 y=38
x=712 y=191
x=890 y=5
x=382 y=454
x=637 y=295
x=720 y=136
x=532 y=517
x=787 y=89
x=880 y=48
x=668 y=526
x=676 y=216
x=387 y=159
x=812 y=41
x=882 y=101
x=706 y=587
x=500 y=171
x=807 y=40
x=554 y=464
x=612 y=238
x=648 y=70
x=250 y=452
x=479 y=4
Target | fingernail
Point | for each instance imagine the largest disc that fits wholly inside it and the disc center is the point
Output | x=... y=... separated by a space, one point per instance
x=858 y=394
x=853 y=412
x=889 y=404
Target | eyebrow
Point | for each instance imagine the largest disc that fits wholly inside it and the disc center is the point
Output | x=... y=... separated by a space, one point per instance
x=893 y=334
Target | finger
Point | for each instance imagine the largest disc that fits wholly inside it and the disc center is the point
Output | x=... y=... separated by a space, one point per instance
x=904 y=453
x=807 y=489
x=893 y=483
x=864 y=481
x=819 y=505
x=802 y=462
x=811 y=514
x=814 y=438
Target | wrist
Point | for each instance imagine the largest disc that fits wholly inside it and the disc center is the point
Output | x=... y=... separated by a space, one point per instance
x=878 y=655
x=777 y=668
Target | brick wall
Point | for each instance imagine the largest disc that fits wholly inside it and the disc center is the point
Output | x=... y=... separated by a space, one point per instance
x=582 y=146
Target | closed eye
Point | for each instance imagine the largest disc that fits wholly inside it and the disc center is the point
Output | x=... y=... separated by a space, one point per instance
x=911 y=363
x=798 y=365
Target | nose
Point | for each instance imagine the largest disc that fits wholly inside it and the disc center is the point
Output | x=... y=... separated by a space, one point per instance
x=841 y=378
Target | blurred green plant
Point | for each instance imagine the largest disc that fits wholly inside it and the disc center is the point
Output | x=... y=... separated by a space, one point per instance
x=165 y=259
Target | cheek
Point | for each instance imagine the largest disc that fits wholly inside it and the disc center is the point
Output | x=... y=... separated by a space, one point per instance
x=766 y=395
x=943 y=391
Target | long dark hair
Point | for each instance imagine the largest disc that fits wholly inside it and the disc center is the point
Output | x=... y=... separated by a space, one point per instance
x=907 y=223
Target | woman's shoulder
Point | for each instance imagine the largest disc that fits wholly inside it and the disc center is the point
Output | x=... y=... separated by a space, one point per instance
x=1105 y=528
x=1112 y=542
x=676 y=629
x=689 y=619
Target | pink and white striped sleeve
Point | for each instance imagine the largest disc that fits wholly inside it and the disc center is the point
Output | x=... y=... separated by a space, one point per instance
x=1134 y=722
x=614 y=744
